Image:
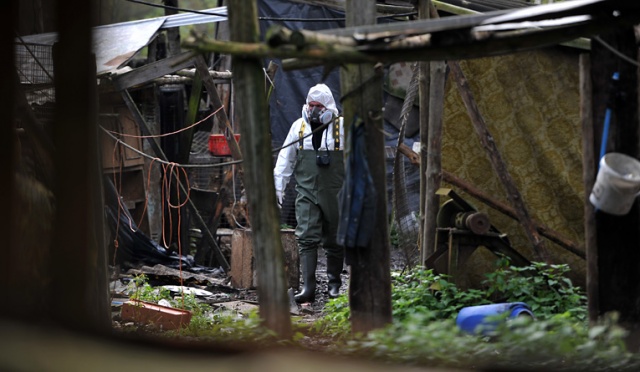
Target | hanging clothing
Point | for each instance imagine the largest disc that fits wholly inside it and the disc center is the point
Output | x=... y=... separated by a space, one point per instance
x=357 y=198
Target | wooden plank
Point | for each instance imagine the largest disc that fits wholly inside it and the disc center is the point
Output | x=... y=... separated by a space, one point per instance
x=242 y=267
x=153 y=70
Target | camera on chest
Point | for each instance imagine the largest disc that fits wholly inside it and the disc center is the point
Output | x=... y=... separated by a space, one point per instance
x=323 y=159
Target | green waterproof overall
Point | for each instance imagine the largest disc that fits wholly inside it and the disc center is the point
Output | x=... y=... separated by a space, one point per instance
x=317 y=202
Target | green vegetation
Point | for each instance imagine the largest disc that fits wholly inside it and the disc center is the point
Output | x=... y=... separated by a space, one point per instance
x=424 y=332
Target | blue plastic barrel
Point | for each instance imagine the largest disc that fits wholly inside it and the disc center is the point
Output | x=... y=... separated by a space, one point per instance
x=470 y=318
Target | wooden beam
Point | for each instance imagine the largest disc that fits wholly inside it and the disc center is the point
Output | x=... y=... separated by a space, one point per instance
x=509 y=211
x=153 y=70
x=457 y=37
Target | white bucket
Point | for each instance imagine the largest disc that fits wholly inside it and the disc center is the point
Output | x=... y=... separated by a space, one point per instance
x=617 y=184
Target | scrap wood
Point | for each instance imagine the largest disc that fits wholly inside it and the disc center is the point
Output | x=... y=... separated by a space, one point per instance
x=172 y=275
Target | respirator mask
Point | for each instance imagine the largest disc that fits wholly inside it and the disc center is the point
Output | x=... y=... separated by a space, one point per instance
x=319 y=114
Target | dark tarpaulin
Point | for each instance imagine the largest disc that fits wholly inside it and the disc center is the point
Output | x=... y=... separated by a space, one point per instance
x=291 y=87
x=134 y=246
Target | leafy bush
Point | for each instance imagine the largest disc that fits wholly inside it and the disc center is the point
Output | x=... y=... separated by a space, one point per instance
x=542 y=286
x=424 y=332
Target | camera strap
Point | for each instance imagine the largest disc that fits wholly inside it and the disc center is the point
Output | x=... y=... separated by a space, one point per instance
x=336 y=134
x=301 y=133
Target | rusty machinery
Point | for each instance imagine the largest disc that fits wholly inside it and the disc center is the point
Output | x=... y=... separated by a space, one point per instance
x=460 y=230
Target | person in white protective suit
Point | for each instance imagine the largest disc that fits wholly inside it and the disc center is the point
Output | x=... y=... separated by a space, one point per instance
x=316 y=159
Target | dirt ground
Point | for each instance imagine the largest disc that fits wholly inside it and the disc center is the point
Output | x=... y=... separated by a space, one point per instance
x=397 y=262
x=218 y=283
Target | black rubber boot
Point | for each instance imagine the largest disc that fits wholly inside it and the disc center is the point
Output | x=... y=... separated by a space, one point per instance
x=309 y=262
x=334 y=268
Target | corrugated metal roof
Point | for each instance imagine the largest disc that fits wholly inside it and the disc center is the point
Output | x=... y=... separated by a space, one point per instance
x=217 y=15
x=115 y=44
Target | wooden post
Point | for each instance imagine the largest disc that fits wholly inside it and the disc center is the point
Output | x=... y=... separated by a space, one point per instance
x=10 y=268
x=370 y=281
x=425 y=81
x=78 y=264
x=434 y=155
x=588 y=177
x=618 y=237
x=256 y=144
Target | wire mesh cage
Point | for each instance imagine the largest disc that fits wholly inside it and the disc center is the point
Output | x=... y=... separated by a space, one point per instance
x=404 y=191
x=34 y=63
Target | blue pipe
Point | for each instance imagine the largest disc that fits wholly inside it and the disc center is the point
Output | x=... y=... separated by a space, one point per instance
x=607 y=120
